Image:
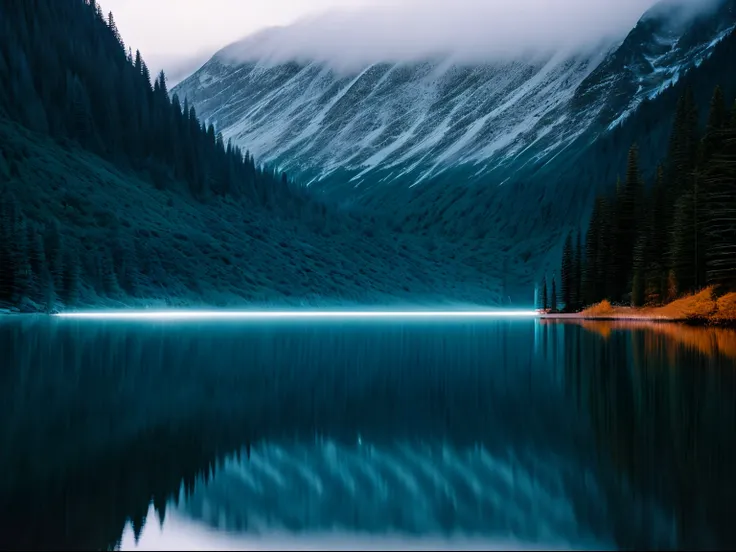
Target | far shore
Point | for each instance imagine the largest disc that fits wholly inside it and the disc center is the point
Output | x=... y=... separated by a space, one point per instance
x=703 y=308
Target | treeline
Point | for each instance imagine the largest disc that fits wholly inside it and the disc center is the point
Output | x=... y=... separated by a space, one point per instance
x=65 y=72
x=37 y=265
x=647 y=245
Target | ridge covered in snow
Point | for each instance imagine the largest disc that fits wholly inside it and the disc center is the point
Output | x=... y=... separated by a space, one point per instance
x=412 y=121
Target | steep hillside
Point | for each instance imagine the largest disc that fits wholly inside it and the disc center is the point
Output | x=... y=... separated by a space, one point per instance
x=176 y=250
x=112 y=193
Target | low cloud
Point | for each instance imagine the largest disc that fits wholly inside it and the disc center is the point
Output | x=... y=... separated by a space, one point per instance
x=467 y=30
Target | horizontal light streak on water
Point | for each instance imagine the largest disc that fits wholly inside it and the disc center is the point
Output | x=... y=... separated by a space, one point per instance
x=287 y=315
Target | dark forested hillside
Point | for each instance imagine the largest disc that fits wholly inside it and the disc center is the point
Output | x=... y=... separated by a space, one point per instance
x=69 y=76
x=651 y=240
x=112 y=191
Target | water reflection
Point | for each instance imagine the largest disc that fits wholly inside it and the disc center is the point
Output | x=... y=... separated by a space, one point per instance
x=464 y=435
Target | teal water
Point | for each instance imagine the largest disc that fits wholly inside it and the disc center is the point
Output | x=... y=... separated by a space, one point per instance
x=371 y=434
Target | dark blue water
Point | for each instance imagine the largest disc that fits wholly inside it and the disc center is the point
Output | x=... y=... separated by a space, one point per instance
x=380 y=434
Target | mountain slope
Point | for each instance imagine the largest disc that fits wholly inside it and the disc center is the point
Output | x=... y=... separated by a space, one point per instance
x=409 y=122
x=221 y=253
x=499 y=157
x=413 y=119
x=111 y=193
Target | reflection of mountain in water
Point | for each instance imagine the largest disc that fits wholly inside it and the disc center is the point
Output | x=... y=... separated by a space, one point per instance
x=323 y=486
x=411 y=428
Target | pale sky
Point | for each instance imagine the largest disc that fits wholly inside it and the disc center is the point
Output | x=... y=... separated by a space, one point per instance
x=180 y=35
x=186 y=27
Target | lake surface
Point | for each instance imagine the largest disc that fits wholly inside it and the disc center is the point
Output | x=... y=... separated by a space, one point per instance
x=484 y=434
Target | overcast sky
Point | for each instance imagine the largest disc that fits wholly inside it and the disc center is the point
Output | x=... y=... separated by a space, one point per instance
x=169 y=31
x=181 y=28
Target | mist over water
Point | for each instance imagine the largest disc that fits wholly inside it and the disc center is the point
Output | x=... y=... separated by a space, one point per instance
x=500 y=434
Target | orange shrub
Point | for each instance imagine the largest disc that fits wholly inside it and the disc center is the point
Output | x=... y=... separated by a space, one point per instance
x=726 y=308
x=693 y=307
x=601 y=309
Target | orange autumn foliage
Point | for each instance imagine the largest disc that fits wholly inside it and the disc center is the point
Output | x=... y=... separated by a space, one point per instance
x=726 y=308
x=603 y=308
x=701 y=306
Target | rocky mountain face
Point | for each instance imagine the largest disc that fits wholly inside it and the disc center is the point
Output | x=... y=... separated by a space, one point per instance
x=477 y=150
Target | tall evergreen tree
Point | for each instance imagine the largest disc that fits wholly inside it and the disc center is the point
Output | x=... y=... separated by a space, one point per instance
x=578 y=280
x=7 y=269
x=553 y=295
x=683 y=242
x=70 y=284
x=40 y=278
x=718 y=119
x=22 y=276
x=720 y=226
x=641 y=259
x=545 y=299
x=660 y=220
x=592 y=284
x=629 y=203
x=54 y=250
x=567 y=273
x=607 y=264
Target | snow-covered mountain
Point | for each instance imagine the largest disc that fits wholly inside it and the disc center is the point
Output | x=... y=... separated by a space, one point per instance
x=409 y=122
x=503 y=158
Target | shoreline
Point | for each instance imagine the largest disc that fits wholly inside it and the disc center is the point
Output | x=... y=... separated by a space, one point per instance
x=703 y=308
x=615 y=317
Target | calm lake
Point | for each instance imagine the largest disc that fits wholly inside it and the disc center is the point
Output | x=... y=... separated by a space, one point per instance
x=483 y=434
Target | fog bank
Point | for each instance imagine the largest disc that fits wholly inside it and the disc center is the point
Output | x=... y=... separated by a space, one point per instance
x=466 y=30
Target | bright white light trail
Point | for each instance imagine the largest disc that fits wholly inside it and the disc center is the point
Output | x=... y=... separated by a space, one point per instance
x=266 y=315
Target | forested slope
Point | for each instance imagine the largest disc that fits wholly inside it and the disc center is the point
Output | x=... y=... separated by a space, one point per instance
x=112 y=192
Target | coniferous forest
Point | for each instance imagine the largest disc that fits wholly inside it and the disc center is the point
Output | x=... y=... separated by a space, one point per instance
x=649 y=243
x=111 y=188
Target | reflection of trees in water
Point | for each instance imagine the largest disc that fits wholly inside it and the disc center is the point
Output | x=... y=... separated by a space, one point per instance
x=86 y=508
x=663 y=406
x=101 y=419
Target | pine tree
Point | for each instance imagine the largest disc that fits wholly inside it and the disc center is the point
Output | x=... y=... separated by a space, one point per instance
x=591 y=285
x=684 y=198
x=659 y=245
x=607 y=264
x=683 y=149
x=54 y=249
x=114 y=29
x=717 y=122
x=720 y=226
x=683 y=243
x=567 y=274
x=553 y=296
x=22 y=277
x=545 y=300
x=641 y=262
x=578 y=279
x=7 y=272
x=40 y=277
x=70 y=285
x=627 y=215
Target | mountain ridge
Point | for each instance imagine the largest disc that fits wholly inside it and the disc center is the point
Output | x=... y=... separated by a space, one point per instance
x=421 y=118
